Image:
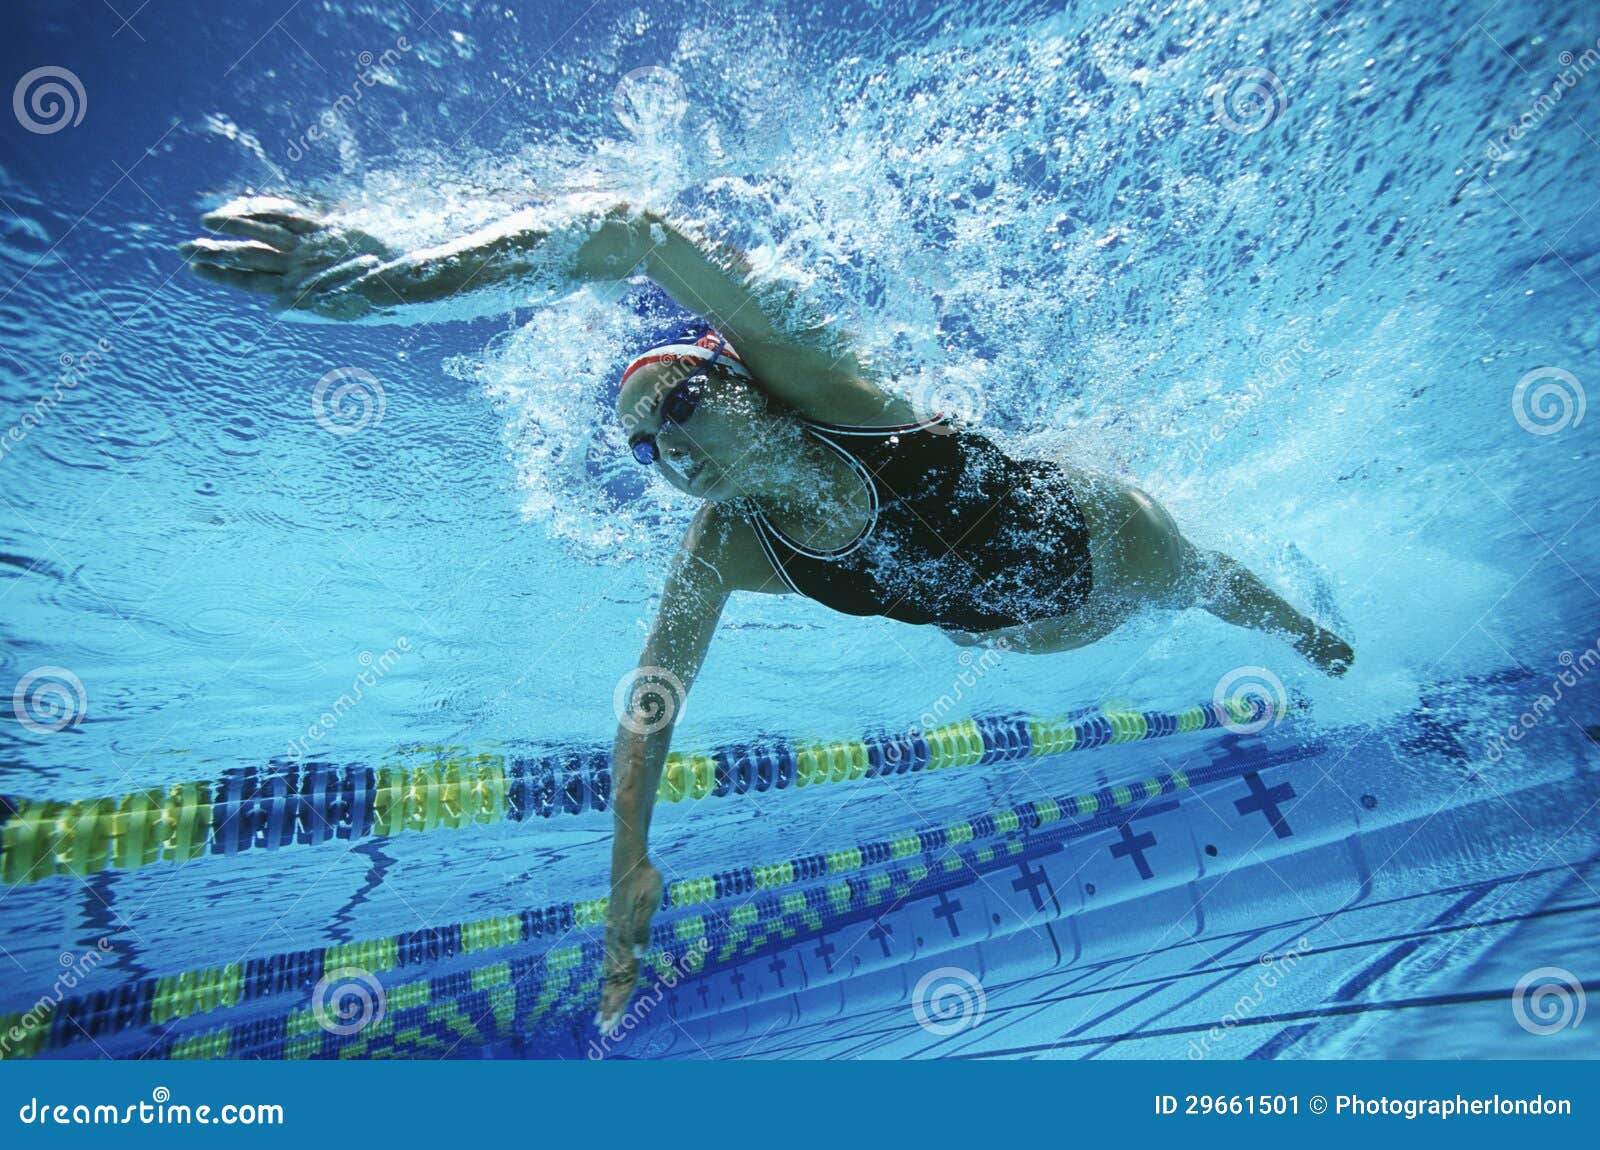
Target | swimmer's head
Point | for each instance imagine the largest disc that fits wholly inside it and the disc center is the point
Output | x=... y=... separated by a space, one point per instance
x=692 y=410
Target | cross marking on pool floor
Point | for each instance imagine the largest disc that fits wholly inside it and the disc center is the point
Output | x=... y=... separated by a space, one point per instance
x=880 y=933
x=1135 y=845
x=1030 y=881
x=737 y=978
x=826 y=952
x=947 y=910
x=1266 y=799
x=778 y=966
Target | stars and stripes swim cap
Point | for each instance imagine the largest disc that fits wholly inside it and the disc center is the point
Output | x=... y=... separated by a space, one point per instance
x=701 y=342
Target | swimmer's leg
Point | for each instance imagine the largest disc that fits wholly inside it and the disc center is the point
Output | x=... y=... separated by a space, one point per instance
x=1233 y=593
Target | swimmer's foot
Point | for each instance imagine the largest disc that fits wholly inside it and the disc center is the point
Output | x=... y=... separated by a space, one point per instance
x=634 y=899
x=1326 y=651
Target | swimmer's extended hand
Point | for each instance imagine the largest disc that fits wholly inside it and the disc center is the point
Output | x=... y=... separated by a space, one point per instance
x=290 y=251
x=634 y=899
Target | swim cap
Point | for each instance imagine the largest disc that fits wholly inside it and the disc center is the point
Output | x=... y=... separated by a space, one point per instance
x=697 y=343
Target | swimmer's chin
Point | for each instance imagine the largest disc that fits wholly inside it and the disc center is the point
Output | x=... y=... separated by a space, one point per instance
x=710 y=485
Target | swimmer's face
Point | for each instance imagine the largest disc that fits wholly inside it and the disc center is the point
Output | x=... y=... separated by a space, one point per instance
x=710 y=454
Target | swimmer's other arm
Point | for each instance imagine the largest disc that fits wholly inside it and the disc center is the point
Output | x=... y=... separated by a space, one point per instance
x=311 y=263
x=715 y=560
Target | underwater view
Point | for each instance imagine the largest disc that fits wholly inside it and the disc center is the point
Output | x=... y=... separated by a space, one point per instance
x=799 y=529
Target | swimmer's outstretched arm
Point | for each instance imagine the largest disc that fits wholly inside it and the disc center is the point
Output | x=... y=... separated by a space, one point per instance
x=309 y=262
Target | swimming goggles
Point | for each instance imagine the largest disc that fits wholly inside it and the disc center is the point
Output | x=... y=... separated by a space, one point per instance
x=677 y=406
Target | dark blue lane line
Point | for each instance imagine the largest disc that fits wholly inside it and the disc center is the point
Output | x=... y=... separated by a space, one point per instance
x=1230 y=974
x=1125 y=1004
x=1589 y=986
x=1375 y=970
x=1019 y=1013
x=1281 y=1041
x=1465 y=903
x=1210 y=960
x=1362 y=979
x=1044 y=1001
x=978 y=1036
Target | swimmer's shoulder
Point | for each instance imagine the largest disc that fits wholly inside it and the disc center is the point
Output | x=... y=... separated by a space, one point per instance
x=723 y=541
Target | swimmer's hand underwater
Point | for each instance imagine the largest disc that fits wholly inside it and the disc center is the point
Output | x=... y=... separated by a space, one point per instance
x=288 y=250
x=634 y=899
x=310 y=261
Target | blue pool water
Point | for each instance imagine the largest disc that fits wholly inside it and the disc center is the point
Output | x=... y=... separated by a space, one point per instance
x=1321 y=278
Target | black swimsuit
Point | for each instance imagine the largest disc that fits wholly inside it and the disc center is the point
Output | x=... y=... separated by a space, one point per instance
x=959 y=535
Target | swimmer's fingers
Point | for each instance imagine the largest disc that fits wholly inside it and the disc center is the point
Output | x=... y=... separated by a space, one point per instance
x=331 y=278
x=273 y=210
x=236 y=255
x=619 y=973
x=246 y=228
x=245 y=281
